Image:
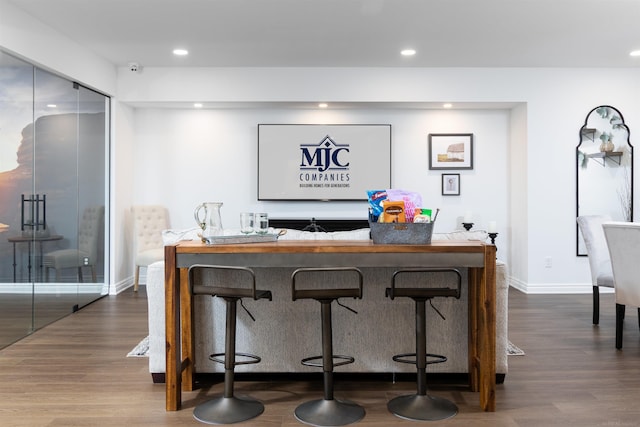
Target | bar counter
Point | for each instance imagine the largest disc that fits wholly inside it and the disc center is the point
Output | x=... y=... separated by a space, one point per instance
x=478 y=257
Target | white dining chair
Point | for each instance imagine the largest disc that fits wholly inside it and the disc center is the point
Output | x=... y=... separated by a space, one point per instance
x=599 y=262
x=623 y=240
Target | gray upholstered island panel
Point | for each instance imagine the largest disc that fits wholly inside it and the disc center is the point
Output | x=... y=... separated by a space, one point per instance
x=286 y=331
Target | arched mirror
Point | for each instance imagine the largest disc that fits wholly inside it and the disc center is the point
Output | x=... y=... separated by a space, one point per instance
x=604 y=168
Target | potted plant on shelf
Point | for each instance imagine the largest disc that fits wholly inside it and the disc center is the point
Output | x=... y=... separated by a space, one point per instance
x=606 y=145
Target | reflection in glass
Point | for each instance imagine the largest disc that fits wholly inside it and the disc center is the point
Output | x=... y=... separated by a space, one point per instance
x=56 y=134
x=16 y=107
x=604 y=168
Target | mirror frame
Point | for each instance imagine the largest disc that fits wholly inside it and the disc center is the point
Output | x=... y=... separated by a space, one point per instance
x=581 y=134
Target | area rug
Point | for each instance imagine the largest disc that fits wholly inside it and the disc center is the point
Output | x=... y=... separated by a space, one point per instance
x=140 y=350
x=513 y=350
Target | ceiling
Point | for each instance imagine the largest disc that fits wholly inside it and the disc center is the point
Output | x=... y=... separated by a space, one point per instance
x=350 y=33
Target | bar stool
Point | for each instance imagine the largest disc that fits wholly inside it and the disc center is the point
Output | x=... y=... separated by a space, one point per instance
x=328 y=411
x=228 y=409
x=421 y=406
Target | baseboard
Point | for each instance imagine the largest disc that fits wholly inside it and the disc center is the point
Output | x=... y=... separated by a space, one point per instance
x=555 y=288
x=52 y=288
x=563 y=288
x=121 y=286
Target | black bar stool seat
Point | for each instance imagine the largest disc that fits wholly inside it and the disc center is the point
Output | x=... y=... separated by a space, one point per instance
x=421 y=406
x=228 y=409
x=328 y=411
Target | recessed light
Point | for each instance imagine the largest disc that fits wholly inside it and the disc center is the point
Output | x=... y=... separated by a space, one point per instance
x=323 y=105
x=634 y=53
x=447 y=105
x=180 y=52
x=52 y=106
x=197 y=105
x=408 y=52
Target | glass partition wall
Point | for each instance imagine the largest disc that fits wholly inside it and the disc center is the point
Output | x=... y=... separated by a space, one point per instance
x=54 y=139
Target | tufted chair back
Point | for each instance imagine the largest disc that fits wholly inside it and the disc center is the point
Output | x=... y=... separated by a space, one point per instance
x=91 y=230
x=148 y=223
x=90 y=236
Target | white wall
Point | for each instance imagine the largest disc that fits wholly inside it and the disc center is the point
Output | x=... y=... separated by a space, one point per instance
x=518 y=183
x=186 y=157
x=123 y=166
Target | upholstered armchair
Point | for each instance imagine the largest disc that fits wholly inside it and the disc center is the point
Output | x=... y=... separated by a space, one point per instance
x=623 y=240
x=599 y=261
x=90 y=233
x=148 y=223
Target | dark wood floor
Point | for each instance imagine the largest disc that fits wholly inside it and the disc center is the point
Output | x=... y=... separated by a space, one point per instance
x=21 y=314
x=75 y=373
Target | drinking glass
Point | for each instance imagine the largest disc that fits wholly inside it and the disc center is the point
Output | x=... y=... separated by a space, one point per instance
x=261 y=223
x=246 y=222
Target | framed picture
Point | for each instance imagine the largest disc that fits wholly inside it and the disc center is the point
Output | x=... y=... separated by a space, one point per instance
x=450 y=184
x=450 y=151
x=323 y=162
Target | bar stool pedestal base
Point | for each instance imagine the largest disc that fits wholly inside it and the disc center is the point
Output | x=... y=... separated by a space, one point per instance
x=422 y=408
x=323 y=412
x=227 y=410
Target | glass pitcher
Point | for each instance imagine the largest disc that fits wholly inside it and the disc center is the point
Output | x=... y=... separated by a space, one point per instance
x=207 y=216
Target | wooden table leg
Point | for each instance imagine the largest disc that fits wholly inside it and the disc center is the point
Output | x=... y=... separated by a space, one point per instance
x=186 y=324
x=475 y=282
x=172 y=330
x=482 y=330
x=487 y=328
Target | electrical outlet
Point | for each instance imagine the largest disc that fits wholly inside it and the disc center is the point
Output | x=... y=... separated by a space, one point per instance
x=548 y=262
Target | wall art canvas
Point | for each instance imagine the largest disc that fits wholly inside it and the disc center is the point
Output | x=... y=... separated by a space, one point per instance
x=450 y=184
x=451 y=151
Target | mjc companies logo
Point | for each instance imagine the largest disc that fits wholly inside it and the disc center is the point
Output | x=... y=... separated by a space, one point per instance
x=326 y=162
x=327 y=155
